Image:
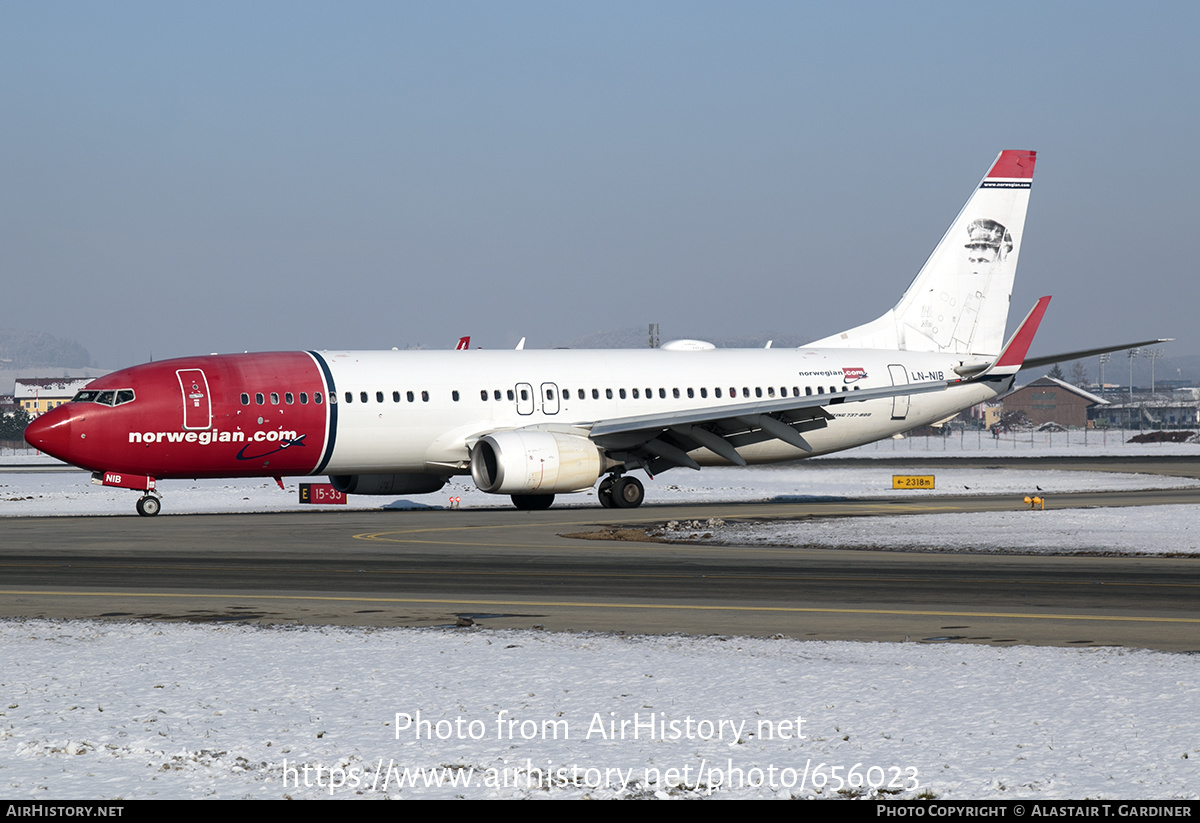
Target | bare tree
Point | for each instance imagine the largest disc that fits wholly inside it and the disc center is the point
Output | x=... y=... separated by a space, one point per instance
x=1079 y=375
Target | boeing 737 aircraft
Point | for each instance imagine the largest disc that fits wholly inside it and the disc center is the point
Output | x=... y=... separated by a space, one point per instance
x=533 y=424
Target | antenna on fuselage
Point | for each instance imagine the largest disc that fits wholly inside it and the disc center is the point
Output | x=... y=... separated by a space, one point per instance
x=521 y=345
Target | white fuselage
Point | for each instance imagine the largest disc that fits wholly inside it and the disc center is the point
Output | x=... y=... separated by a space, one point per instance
x=571 y=390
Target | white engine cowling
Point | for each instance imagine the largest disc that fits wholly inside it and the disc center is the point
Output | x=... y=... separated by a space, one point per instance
x=523 y=462
x=386 y=483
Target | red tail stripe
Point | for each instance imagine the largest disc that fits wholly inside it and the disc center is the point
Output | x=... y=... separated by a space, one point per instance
x=1014 y=163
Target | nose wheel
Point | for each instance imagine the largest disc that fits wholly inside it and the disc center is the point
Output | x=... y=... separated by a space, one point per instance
x=148 y=505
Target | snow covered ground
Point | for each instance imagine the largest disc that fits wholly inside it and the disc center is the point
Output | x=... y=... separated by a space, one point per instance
x=114 y=710
x=1075 y=443
x=1142 y=530
x=102 y=710
x=30 y=493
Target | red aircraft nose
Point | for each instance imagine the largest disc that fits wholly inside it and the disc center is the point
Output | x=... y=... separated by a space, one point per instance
x=51 y=433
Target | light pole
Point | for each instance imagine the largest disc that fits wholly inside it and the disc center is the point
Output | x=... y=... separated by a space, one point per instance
x=1153 y=354
x=1132 y=354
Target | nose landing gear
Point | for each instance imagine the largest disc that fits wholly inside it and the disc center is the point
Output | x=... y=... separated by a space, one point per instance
x=148 y=505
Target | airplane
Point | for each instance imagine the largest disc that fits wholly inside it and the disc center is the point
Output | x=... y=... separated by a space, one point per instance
x=533 y=424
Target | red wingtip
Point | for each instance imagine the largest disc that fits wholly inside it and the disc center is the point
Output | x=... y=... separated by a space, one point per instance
x=1014 y=164
x=1018 y=345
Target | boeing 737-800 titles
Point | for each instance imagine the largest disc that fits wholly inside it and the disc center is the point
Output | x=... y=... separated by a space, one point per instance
x=533 y=424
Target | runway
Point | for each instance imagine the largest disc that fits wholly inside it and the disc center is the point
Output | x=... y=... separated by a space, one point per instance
x=504 y=568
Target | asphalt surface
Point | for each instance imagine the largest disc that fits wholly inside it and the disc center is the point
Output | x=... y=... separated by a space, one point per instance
x=505 y=568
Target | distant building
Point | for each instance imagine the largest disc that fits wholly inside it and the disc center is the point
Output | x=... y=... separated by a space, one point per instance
x=1049 y=400
x=1176 y=409
x=37 y=395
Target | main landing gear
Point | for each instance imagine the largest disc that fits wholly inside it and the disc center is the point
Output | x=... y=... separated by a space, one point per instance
x=621 y=492
x=148 y=505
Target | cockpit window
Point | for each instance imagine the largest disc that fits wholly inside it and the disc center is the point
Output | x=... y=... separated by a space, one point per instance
x=105 y=397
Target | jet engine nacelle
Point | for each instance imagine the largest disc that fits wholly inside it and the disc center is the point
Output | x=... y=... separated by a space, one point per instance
x=386 y=483
x=522 y=462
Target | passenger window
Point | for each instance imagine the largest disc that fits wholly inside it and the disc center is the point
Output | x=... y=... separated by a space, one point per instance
x=409 y=397
x=378 y=397
x=454 y=395
x=703 y=391
x=483 y=395
x=289 y=398
x=621 y=393
x=258 y=398
x=511 y=396
x=245 y=399
x=395 y=397
x=662 y=393
x=608 y=393
x=758 y=391
x=424 y=397
x=496 y=394
x=717 y=390
x=808 y=391
x=349 y=397
x=595 y=394
x=362 y=395
x=636 y=396
x=770 y=391
x=524 y=394
x=675 y=393
x=303 y=398
x=691 y=394
x=745 y=391
x=317 y=397
x=274 y=398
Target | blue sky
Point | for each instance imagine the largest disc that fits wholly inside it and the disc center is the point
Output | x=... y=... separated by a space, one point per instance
x=185 y=178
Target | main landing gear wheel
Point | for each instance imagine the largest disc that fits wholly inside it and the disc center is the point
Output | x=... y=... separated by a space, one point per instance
x=604 y=493
x=532 y=502
x=148 y=506
x=627 y=493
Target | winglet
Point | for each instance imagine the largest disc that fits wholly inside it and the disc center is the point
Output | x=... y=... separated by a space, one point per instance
x=1012 y=356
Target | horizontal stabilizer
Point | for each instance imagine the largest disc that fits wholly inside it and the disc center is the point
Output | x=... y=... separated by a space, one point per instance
x=1066 y=357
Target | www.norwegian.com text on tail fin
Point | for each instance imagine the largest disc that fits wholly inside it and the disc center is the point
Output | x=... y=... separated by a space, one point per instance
x=959 y=301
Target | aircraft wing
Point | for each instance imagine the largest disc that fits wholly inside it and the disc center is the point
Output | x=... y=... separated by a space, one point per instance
x=659 y=441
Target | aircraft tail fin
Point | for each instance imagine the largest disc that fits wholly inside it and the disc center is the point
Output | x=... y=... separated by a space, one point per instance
x=959 y=301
